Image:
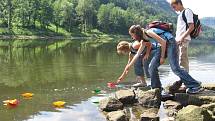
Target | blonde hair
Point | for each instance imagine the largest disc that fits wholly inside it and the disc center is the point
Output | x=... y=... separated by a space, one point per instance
x=123 y=47
x=138 y=31
x=176 y=2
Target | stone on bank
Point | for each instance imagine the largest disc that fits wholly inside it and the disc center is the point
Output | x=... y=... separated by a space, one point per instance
x=117 y=116
x=193 y=113
x=126 y=96
x=110 y=104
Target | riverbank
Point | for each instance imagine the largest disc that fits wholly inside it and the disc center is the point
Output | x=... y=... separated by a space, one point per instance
x=34 y=37
x=50 y=33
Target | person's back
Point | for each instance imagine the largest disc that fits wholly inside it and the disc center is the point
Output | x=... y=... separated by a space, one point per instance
x=182 y=32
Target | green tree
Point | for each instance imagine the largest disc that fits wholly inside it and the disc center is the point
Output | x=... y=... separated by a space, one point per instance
x=6 y=12
x=58 y=12
x=87 y=10
x=104 y=15
x=45 y=13
x=64 y=14
x=117 y=19
x=70 y=18
x=23 y=13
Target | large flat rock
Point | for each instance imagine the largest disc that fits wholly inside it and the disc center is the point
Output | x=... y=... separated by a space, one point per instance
x=193 y=113
x=150 y=115
x=117 y=116
x=205 y=97
x=169 y=104
x=126 y=96
x=151 y=98
x=209 y=86
x=110 y=104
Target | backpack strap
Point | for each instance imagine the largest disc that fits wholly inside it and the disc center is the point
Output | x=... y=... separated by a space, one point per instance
x=147 y=34
x=185 y=19
x=151 y=37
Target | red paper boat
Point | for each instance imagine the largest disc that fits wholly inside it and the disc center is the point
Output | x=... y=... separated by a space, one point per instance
x=111 y=85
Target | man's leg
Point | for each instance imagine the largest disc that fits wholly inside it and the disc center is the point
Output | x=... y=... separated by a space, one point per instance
x=183 y=55
x=183 y=74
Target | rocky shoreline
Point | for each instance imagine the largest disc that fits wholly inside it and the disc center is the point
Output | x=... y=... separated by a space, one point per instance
x=143 y=104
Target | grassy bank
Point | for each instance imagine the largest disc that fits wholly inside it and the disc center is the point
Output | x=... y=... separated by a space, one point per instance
x=51 y=33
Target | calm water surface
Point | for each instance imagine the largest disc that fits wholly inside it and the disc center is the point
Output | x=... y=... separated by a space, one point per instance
x=69 y=71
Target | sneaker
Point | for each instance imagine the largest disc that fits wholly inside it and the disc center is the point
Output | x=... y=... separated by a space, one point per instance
x=139 y=85
x=175 y=86
x=195 y=90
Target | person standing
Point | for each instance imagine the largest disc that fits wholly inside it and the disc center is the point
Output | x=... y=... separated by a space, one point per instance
x=183 y=38
x=183 y=32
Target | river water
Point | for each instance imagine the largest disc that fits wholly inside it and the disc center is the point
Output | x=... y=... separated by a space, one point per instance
x=69 y=71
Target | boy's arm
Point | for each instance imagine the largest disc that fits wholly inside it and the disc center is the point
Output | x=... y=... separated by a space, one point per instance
x=185 y=34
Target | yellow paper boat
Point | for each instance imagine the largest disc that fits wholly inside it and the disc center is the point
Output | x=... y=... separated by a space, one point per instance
x=59 y=103
x=27 y=95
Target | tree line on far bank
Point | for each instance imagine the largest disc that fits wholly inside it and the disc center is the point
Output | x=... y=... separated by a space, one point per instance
x=108 y=16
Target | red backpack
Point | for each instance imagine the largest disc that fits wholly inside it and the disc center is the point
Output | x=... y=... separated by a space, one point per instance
x=161 y=25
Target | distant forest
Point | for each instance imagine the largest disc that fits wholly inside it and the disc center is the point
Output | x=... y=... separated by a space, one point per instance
x=69 y=16
x=109 y=16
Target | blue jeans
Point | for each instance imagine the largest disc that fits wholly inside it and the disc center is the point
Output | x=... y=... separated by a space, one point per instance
x=146 y=66
x=153 y=68
x=140 y=67
x=172 y=56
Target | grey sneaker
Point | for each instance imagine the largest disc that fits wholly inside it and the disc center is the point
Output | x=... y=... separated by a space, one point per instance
x=195 y=90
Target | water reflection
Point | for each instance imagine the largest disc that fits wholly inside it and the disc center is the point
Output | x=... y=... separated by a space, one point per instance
x=85 y=111
x=69 y=70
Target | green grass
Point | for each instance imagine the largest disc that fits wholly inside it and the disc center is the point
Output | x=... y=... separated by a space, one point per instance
x=51 y=32
x=29 y=32
x=38 y=31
